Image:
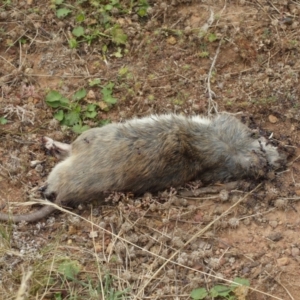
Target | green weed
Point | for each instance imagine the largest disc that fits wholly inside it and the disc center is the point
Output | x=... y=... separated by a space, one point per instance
x=3 y=120
x=221 y=291
x=204 y=54
x=70 y=279
x=110 y=292
x=95 y=20
x=73 y=113
x=264 y=101
x=212 y=37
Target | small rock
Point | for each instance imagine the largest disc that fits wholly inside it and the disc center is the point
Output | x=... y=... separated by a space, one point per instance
x=269 y=267
x=295 y=251
x=93 y=234
x=273 y=224
x=247 y=221
x=171 y=40
x=275 y=236
x=103 y=106
x=53 y=124
x=98 y=248
x=273 y=119
x=269 y=71
x=224 y=195
x=34 y=163
x=28 y=70
x=39 y=168
x=245 y=270
x=91 y=95
x=177 y=56
x=283 y=261
x=187 y=30
x=196 y=107
x=280 y=203
x=72 y=230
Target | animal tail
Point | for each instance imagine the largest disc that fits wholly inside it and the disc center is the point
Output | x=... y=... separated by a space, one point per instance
x=30 y=217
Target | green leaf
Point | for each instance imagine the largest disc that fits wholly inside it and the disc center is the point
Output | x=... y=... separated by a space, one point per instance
x=220 y=291
x=80 y=129
x=91 y=111
x=78 y=31
x=71 y=118
x=59 y=115
x=55 y=99
x=94 y=82
x=53 y=96
x=240 y=281
x=198 y=294
x=108 y=7
x=79 y=95
x=118 y=53
x=212 y=37
x=143 y=6
x=3 y=120
x=54 y=104
x=62 y=12
x=80 y=18
x=64 y=102
x=58 y=2
x=142 y=12
x=23 y=41
x=69 y=269
x=90 y=114
x=204 y=54
x=110 y=99
x=144 y=3
x=103 y=122
x=123 y=71
x=109 y=86
x=107 y=94
x=57 y=296
x=104 y=49
x=118 y=36
x=95 y=3
x=91 y=107
x=73 y=43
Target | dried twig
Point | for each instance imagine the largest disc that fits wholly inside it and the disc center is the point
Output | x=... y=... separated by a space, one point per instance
x=23 y=114
x=22 y=293
x=212 y=105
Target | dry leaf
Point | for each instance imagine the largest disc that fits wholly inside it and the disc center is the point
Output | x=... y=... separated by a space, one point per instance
x=171 y=40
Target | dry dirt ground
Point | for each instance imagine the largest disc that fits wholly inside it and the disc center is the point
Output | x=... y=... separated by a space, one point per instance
x=187 y=57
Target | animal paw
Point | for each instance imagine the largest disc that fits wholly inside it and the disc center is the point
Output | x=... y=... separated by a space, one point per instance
x=58 y=149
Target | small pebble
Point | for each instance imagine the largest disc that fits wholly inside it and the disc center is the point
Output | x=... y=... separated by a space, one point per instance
x=273 y=119
x=275 y=236
x=283 y=261
x=295 y=251
x=273 y=224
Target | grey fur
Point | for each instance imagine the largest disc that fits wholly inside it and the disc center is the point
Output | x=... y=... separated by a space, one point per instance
x=155 y=153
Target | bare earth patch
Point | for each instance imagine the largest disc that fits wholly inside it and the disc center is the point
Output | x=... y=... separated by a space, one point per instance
x=187 y=57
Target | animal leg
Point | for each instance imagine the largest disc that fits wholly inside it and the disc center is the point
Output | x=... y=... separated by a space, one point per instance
x=60 y=150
